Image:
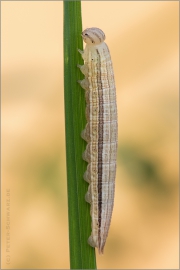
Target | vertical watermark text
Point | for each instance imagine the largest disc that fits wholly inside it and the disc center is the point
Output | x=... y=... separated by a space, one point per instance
x=8 y=226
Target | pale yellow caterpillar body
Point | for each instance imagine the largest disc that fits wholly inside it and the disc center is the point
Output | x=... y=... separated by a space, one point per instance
x=101 y=133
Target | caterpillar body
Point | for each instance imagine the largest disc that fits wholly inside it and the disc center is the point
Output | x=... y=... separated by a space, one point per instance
x=100 y=133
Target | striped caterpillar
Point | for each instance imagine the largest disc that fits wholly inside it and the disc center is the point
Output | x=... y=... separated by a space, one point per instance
x=100 y=133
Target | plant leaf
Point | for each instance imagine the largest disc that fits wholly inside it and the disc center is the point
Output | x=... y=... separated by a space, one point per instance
x=82 y=256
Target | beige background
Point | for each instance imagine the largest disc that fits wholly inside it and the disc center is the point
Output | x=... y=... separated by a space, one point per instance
x=143 y=40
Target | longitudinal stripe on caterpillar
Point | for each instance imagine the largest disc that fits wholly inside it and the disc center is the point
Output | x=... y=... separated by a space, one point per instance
x=101 y=133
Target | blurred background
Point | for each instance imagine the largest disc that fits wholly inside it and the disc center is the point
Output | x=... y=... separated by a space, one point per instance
x=143 y=40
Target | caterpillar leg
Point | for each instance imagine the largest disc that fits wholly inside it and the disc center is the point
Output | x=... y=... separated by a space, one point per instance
x=86 y=177
x=84 y=69
x=85 y=133
x=82 y=53
x=91 y=242
x=88 y=197
x=84 y=84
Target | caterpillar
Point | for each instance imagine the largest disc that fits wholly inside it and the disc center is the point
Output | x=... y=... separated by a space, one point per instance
x=100 y=133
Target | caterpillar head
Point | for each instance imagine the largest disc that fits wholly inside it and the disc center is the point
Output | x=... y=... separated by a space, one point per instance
x=93 y=36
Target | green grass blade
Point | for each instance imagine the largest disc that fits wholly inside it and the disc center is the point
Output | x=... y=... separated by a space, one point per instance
x=82 y=256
